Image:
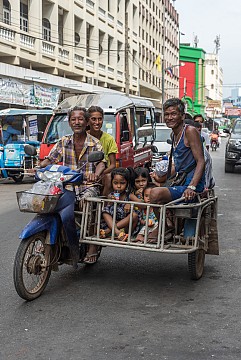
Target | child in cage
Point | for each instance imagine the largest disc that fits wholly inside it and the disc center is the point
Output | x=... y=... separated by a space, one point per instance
x=151 y=221
x=141 y=179
x=121 y=185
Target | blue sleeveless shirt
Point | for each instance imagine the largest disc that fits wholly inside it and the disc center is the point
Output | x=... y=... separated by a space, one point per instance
x=184 y=159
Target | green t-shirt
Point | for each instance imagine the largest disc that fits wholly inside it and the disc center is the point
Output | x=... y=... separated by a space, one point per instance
x=109 y=145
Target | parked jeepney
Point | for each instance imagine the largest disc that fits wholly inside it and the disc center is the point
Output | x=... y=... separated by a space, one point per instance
x=20 y=127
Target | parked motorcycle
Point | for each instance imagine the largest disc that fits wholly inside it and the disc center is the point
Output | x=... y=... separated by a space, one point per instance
x=51 y=237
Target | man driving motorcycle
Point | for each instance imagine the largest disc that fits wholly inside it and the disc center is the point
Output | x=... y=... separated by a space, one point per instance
x=73 y=151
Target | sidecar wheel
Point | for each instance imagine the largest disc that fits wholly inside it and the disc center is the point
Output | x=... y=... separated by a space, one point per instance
x=32 y=269
x=196 y=264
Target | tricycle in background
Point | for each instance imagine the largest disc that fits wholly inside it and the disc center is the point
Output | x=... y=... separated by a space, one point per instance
x=20 y=127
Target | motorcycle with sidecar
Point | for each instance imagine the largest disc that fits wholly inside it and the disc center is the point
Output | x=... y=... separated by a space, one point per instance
x=61 y=231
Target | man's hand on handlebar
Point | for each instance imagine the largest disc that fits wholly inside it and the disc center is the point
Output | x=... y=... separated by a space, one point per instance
x=92 y=177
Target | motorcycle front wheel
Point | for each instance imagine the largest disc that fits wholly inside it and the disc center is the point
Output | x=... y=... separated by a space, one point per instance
x=32 y=268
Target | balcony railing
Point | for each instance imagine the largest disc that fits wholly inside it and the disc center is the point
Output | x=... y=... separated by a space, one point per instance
x=27 y=41
x=78 y=59
x=90 y=4
x=7 y=34
x=63 y=54
x=102 y=67
x=101 y=12
x=48 y=48
x=119 y=24
x=90 y=63
x=120 y=75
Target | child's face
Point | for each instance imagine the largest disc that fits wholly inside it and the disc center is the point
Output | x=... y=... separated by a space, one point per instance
x=146 y=195
x=140 y=182
x=119 y=183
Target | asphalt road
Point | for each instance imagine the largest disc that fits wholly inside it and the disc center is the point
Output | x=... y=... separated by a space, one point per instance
x=131 y=305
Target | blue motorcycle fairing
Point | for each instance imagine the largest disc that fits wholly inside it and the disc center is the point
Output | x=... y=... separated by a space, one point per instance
x=65 y=208
x=50 y=222
x=77 y=175
x=63 y=215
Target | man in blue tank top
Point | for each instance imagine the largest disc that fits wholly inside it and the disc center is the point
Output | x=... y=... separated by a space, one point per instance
x=187 y=154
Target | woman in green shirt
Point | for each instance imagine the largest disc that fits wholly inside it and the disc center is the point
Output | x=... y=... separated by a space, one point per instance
x=95 y=116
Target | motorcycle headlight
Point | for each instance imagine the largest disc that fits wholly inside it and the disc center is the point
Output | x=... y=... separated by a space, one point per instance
x=49 y=175
x=40 y=174
x=65 y=177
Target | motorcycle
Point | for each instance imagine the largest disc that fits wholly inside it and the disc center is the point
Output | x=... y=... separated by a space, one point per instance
x=51 y=238
x=214 y=144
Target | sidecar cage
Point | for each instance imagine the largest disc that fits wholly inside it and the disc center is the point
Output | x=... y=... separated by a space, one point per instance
x=198 y=219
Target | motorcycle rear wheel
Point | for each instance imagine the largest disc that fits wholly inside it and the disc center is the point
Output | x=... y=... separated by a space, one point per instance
x=32 y=269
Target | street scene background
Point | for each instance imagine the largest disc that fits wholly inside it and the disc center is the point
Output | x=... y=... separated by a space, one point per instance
x=131 y=304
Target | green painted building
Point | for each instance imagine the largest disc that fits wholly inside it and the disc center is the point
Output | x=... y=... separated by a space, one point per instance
x=192 y=78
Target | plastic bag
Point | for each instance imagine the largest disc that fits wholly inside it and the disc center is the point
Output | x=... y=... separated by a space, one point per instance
x=162 y=167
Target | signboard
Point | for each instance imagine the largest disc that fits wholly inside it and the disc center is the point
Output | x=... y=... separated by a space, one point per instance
x=16 y=92
x=33 y=125
x=214 y=103
x=46 y=96
x=233 y=112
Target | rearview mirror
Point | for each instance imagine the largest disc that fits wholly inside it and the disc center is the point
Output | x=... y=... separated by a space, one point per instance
x=96 y=156
x=30 y=150
x=154 y=149
x=145 y=131
x=169 y=141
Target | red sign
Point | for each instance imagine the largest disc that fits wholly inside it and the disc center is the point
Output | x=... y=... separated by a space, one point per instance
x=187 y=80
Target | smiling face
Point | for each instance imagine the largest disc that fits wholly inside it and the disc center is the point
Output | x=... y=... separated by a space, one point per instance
x=95 y=121
x=173 y=117
x=77 y=121
x=119 y=183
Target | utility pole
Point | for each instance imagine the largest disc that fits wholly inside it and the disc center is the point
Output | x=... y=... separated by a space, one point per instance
x=163 y=60
x=127 y=47
x=217 y=44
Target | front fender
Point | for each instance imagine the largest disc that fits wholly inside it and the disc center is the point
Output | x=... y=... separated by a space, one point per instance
x=49 y=222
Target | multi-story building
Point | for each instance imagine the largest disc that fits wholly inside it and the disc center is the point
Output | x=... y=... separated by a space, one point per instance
x=214 y=85
x=88 y=45
x=236 y=97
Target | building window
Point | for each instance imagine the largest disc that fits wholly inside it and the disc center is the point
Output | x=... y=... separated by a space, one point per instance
x=76 y=39
x=212 y=72
x=101 y=41
x=61 y=27
x=110 y=41
x=23 y=16
x=6 y=12
x=119 y=49
x=46 y=28
x=88 y=36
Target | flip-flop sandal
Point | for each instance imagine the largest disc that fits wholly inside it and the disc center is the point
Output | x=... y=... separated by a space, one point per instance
x=102 y=234
x=87 y=259
x=122 y=236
